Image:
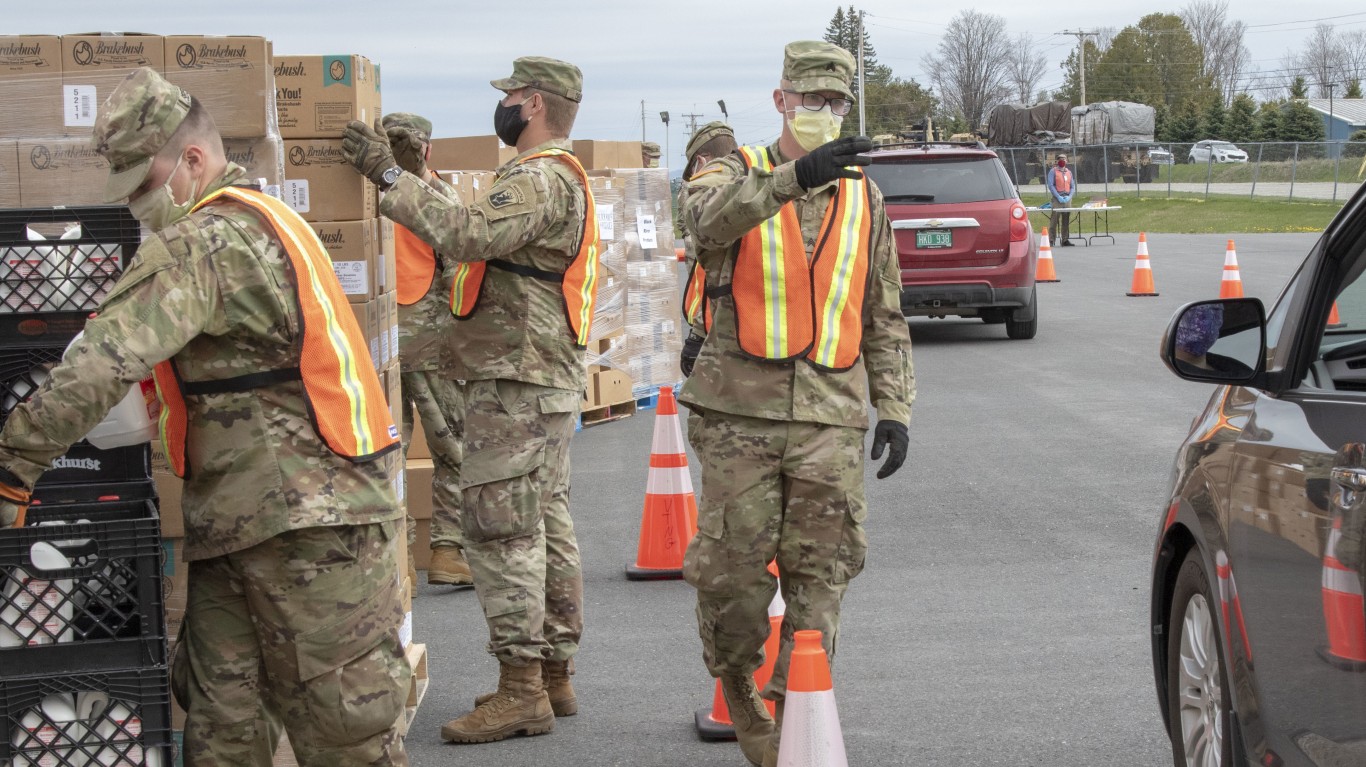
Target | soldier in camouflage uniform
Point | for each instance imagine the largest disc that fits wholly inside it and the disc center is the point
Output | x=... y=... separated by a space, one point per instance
x=524 y=375
x=649 y=155
x=781 y=442
x=294 y=603
x=428 y=382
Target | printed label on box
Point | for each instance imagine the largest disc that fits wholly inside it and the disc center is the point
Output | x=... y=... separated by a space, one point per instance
x=80 y=104
x=606 y=223
x=354 y=277
x=296 y=195
x=645 y=228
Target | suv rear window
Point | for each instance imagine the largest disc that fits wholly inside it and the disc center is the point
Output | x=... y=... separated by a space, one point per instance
x=946 y=180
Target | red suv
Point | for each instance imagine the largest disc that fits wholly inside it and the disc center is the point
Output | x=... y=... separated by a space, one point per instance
x=963 y=237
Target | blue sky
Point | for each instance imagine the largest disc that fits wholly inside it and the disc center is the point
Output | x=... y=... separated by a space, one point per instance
x=676 y=56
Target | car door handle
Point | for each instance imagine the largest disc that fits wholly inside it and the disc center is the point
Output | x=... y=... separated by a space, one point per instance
x=1352 y=479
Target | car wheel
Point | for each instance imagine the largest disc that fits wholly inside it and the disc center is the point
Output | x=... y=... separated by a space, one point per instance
x=1197 y=687
x=1019 y=328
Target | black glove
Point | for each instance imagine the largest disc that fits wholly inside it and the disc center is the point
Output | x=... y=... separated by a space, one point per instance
x=830 y=161
x=895 y=435
x=368 y=151
x=691 y=348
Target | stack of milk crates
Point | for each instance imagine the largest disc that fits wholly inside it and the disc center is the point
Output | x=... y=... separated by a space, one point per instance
x=83 y=660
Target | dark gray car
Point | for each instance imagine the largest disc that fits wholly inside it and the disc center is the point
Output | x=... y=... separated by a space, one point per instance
x=1258 y=628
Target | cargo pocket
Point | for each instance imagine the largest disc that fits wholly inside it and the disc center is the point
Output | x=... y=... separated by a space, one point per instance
x=354 y=672
x=502 y=499
x=560 y=402
x=853 y=543
x=706 y=563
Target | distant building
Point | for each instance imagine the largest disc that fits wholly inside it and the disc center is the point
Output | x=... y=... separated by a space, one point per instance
x=1341 y=118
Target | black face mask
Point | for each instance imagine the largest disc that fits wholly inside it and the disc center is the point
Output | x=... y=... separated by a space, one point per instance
x=508 y=123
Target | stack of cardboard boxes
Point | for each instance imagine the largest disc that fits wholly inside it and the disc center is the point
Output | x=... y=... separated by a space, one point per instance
x=52 y=86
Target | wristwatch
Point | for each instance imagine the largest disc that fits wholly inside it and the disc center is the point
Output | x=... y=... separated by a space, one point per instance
x=390 y=177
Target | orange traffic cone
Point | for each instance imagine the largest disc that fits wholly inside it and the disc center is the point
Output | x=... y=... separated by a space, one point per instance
x=811 y=723
x=1143 y=270
x=1044 y=272
x=681 y=254
x=670 y=517
x=1334 y=321
x=715 y=723
x=1231 y=604
x=1232 y=285
x=1342 y=609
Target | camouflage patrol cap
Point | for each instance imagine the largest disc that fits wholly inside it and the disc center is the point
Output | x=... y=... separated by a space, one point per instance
x=133 y=124
x=704 y=134
x=541 y=73
x=409 y=121
x=811 y=66
x=650 y=148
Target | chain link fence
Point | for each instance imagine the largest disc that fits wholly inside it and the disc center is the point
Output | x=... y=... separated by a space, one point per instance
x=1297 y=170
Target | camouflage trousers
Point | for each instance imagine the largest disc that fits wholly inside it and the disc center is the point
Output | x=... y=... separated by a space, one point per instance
x=299 y=631
x=440 y=403
x=519 y=538
x=773 y=490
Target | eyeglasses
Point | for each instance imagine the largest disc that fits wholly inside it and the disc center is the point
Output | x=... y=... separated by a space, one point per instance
x=815 y=102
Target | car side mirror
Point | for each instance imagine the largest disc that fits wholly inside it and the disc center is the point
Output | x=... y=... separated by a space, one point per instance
x=1220 y=342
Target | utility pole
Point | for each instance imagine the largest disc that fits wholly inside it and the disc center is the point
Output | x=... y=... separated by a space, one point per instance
x=862 y=114
x=1081 y=35
x=642 y=121
x=692 y=122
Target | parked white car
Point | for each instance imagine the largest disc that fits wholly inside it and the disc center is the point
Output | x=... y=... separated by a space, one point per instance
x=1217 y=151
x=1160 y=155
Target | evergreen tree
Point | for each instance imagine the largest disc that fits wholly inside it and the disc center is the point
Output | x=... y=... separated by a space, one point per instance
x=1300 y=123
x=1353 y=89
x=1071 y=84
x=843 y=30
x=1299 y=88
x=1184 y=124
x=1212 y=120
x=1268 y=123
x=1162 y=123
x=1241 y=123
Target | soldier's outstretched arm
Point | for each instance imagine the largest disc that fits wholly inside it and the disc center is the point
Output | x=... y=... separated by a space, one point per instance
x=511 y=215
x=886 y=339
x=725 y=201
x=159 y=304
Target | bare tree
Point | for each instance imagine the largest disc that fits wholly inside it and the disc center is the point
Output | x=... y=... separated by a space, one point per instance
x=1353 y=54
x=1221 y=43
x=969 y=67
x=1025 y=67
x=1323 y=58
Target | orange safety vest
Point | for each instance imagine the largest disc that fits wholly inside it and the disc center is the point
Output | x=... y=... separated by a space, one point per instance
x=345 y=400
x=416 y=265
x=578 y=284
x=788 y=305
x=1062 y=180
x=695 y=302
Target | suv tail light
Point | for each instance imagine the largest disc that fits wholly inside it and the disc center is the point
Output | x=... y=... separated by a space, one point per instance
x=1019 y=224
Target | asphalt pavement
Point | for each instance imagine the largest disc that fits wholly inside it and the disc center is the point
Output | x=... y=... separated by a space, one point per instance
x=1002 y=618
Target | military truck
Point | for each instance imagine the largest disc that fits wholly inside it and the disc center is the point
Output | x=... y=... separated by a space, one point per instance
x=1112 y=141
x=1028 y=139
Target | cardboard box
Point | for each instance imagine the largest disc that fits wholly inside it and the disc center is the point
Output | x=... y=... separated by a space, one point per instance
x=602 y=155
x=607 y=387
x=60 y=171
x=354 y=249
x=422 y=549
x=321 y=185
x=393 y=387
x=31 y=86
x=388 y=251
x=419 y=473
x=316 y=96
x=469 y=185
x=391 y=299
x=175 y=591
x=367 y=316
x=93 y=65
x=9 y=174
x=260 y=157
x=230 y=75
x=469 y=153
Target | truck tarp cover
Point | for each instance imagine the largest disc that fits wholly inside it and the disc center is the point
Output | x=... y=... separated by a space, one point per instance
x=1110 y=122
x=1009 y=124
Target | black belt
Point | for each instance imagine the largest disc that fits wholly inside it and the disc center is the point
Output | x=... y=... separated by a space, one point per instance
x=527 y=271
x=242 y=383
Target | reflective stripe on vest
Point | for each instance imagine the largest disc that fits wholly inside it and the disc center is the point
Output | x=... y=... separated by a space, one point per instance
x=345 y=400
x=788 y=305
x=416 y=265
x=1062 y=180
x=578 y=284
x=696 y=305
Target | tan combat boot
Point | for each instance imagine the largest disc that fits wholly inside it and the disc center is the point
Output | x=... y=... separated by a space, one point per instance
x=557 y=687
x=449 y=568
x=519 y=707
x=753 y=725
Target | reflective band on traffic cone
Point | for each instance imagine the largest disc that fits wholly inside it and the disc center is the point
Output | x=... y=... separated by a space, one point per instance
x=811 y=735
x=1232 y=285
x=1045 y=272
x=669 y=520
x=1342 y=609
x=1334 y=321
x=1232 y=605
x=1143 y=270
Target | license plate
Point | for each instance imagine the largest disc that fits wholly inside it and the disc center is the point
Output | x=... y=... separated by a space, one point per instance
x=930 y=239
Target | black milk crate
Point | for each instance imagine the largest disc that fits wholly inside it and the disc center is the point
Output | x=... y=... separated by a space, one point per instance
x=94 y=492
x=81 y=590
x=81 y=255
x=121 y=717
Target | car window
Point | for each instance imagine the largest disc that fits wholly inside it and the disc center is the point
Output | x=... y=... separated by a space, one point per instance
x=1340 y=363
x=950 y=180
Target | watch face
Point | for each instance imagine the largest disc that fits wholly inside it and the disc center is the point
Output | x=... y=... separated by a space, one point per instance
x=391 y=175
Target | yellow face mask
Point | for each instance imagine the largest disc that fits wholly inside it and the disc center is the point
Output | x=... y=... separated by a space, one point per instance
x=814 y=129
